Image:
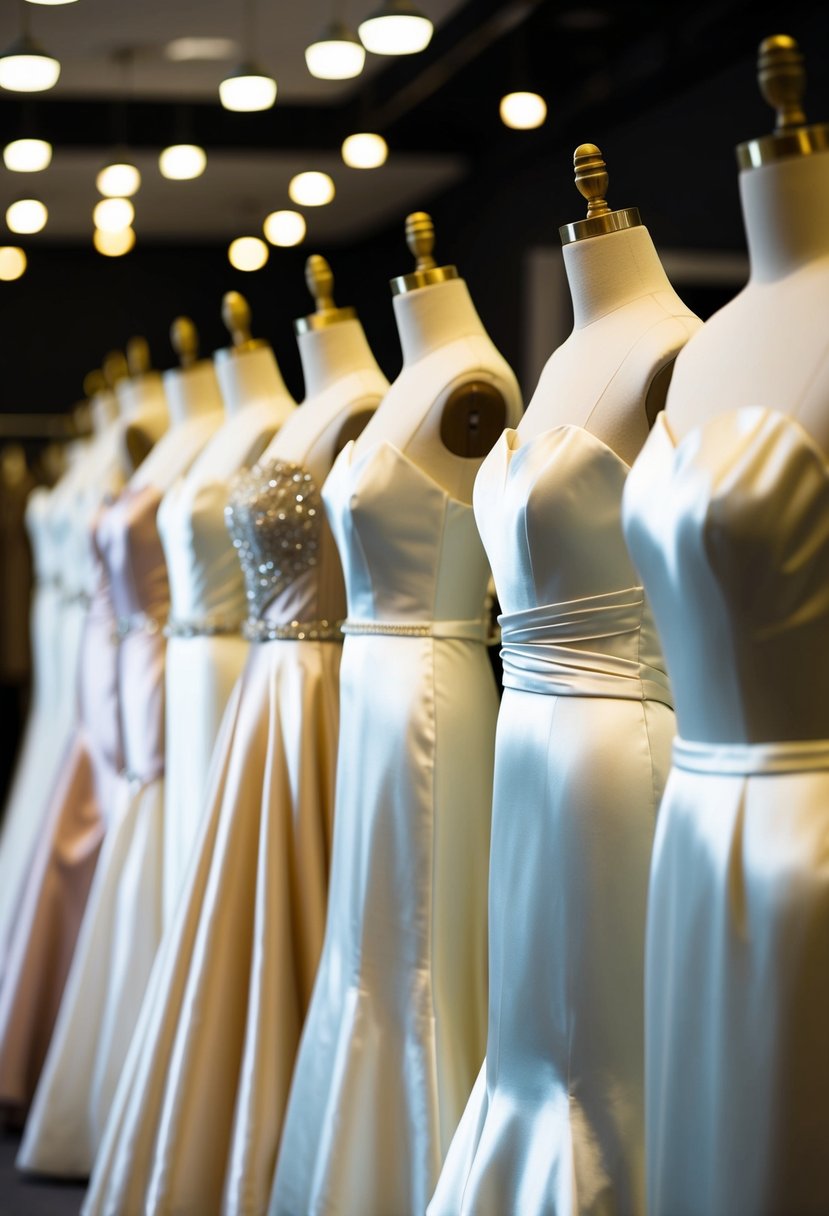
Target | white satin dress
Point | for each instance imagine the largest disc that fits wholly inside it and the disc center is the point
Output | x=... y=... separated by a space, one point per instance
x=729 y=528
x=555 y=1123
x=396 y=1029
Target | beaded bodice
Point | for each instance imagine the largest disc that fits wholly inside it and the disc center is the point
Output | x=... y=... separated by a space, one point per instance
x=276 y=521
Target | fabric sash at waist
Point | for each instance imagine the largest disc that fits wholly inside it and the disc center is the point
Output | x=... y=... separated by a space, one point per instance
x=582 y=648
x=467 y=631
x=749 y=759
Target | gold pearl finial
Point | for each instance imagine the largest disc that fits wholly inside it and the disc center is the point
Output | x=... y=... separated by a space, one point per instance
x=782 y=78
x=591 y=179
x=138 y=356
x=320 y=282
x=94 y=382
x=114 y=367
x=184 y=339
x=420 y=237
x=236 y=317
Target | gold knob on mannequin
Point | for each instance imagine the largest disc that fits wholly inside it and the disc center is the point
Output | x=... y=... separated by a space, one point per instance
x=184 y=339
x=319 y=279
x=236 y=317
x=781 y=75
x=94 y=382
x=591 y=178
x=138 y=356
x=420 y=237
x=114 y=367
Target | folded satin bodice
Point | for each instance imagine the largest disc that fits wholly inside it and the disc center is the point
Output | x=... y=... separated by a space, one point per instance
x=206 y=582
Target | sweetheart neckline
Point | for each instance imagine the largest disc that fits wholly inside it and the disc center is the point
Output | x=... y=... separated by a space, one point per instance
x=559 y=428
x=407 y=460
x=785 y=421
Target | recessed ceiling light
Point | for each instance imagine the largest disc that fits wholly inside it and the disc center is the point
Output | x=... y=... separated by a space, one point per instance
x=180 y=50
x=27 y=155
x=311 y=189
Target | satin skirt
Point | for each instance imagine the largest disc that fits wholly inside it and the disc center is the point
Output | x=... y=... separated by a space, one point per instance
x=200 y=675
x=738 y=984
x=47 y=925
x=397 y=1026
x=555 y=1123
x=196 y=1122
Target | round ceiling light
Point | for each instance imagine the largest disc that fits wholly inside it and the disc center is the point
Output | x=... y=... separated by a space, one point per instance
x=52 y=3
x=365 y=151
x=247 y=90
x=397 y=28
x=12 y=263
x=248 y=253
x=311 y=189
x=336 y=55
x=26 y=68
x=118 y=181
x=113 y=214
x=114 y=244
x=27 y=215
x=285 y=228
x=522 y=111
x=182 y=162
x=27 y=155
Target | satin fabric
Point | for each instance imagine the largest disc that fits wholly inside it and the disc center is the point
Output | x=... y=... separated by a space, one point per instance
x=122 y=921
x=206 y=590
x=195 y=1125
x=555 y=1122
x=730 y=530
x=395 y=1031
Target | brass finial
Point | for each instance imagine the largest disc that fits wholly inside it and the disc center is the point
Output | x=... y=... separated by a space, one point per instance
x=114 y=367
x=782 y=78
x=236 y=317
x=319 y=279
x=184 y=339
x=591 y=183
x=781 y=75
x=138 y=356
x=94 y=382
x=420 y=237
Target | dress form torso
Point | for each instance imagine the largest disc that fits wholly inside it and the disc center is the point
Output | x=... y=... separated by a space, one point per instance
x=195 y=406
x=144 y=410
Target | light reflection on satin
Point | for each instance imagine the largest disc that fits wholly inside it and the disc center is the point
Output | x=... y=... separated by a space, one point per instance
x=730 y=531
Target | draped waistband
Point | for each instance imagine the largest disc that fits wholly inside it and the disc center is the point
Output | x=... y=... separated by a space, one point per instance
x=466 y=631
x=258 y=629
x=588 y=647
x=139 y=622
x=206 y=626
x=750 y=759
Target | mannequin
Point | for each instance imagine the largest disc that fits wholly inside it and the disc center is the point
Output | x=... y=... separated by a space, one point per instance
x=206 y=651
x=259 y=871
x=142 y=403
x=734 y=560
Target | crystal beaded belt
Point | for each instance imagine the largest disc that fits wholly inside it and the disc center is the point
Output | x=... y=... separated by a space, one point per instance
x=747 y=759
x=256 y=630
x=468 y=631
x=76 y=597
x=139 y=622
x=199 y=627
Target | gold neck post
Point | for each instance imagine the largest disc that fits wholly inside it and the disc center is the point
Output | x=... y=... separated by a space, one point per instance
x=319 y=279
x=591 y=183
x=420 y=237
x=781 y=75
x=237 y=321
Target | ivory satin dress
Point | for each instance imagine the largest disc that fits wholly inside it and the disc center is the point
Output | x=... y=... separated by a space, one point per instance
x=122 y=921
x=729 y=527
x=195 y=1125
x=555 y=1123
x=396 y=1029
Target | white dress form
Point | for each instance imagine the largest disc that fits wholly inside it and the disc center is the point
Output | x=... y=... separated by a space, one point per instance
x=196 y=1122
x=725 y=515
x=395 y=1030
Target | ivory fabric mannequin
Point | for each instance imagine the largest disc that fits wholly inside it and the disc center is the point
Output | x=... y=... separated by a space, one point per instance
x=395 y=1030
x=205 y=648
x=556 y=1120
x=195 y=1125
x=122 y=921
x=726 y=515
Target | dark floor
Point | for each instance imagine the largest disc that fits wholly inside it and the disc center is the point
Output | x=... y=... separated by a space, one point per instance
x=21 y=1196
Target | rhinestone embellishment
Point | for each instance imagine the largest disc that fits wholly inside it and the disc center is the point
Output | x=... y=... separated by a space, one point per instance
x=274 y=517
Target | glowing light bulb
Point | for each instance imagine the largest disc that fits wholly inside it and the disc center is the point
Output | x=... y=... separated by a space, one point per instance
x=311 y=189
x=26 y=68
x=12 y=263
x=27 y=215
x=523 y=111
x=182 y=162
x=118 y=181
x=397 y=28
x=285 y=228
x=27 y=155
x=113 y=214
x=247 y=90
x=365 y=151
x=114 y=244
x=336 y=55
x=248 y=253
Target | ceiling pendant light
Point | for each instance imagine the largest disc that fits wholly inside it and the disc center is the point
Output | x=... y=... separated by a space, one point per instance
x=120 y=180
x=113 y=214
x=27 y=155
x=26 y=68
x=285 y=228
x=396 y=28
x=523 y=111
x=311 y=189
x=12 y=263
x=365 y=150
x=26 y=216
x=51 y=3
x=248 y=253
x=336 y=55
x=114 y=244
x=249 y=88
x=182 y=162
